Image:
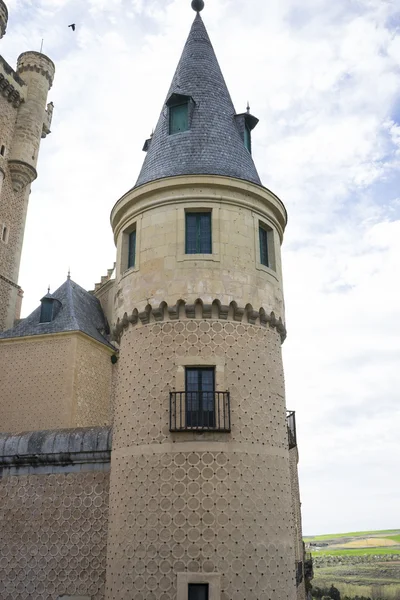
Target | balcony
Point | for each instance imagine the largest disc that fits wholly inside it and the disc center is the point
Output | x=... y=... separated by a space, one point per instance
x=299 y=572
x=291 y=428
x=199 y=411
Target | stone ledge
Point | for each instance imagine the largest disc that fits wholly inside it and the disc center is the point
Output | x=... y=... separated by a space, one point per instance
x=199 y=310
x=53 y=448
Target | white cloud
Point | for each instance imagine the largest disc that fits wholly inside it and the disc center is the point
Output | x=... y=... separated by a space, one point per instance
x=324 y=80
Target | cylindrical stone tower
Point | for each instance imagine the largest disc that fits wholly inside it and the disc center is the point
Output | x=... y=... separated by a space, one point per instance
x=37 y=71
x=200 y=497
x=3 y=18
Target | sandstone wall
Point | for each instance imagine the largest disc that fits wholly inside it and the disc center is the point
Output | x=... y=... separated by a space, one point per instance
x=214 y=505
x=53 y=382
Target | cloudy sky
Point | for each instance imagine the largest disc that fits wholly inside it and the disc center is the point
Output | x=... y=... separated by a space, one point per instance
x=324 y=79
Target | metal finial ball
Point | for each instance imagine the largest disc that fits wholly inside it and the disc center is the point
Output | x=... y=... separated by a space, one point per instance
x=198 y=5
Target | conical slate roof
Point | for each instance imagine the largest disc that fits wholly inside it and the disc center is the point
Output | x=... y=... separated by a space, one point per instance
x=76 y=310
x=213 y=144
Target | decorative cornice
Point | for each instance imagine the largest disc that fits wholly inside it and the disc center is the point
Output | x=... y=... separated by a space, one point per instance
x=21 y=173
x=199 y=310
x=15 y=285
x=40 y=63
x=9 y=92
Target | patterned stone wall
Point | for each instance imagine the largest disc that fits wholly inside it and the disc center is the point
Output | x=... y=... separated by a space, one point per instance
x=200 y=502
x=54 y=382
x=53 y=535
x=92 y=404
x=36 y=381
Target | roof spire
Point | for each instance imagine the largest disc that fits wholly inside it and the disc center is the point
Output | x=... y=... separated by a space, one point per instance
x=69 y=273
x=198 y=5
x=48 y=289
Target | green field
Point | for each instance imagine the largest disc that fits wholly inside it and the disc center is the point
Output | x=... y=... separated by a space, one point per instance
x=353 y=534
x=372 y=571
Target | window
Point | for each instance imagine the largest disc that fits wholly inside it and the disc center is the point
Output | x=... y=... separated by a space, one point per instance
x=132 y=249
x=178 y=118
x=200 y=397
x=4 y=233
x=247 y=137
x=46 y=312
x=2 y=150
x=264 y=254
x=198 y=591
x=198 y=233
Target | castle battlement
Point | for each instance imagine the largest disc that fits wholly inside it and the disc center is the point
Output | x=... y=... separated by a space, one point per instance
x=3 y=18
x=12 y=86
x=37 y=62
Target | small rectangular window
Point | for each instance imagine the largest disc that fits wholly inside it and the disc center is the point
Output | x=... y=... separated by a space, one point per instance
x=46 y=310
x=178 y=118
x=198 y=233
x=198 y=591
x=264 y=255
x=132 y=249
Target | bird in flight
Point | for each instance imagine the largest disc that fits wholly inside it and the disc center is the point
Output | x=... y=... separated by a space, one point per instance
x=73 y=26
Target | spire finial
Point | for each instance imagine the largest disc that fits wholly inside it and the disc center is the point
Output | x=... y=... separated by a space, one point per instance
x=198 y=5
x=48 y=289
x=248 y=107
x=69 y=273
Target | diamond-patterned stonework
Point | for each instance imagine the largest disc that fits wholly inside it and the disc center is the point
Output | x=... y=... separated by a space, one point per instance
x=211 y=502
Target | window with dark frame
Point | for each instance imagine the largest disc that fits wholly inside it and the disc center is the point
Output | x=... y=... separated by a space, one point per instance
x=178 y=118
x=247 y=137
x=46 y=311
x=198 y=233
x=200 y=397
x=264 y=254
x=132 y=249
x=198 y=591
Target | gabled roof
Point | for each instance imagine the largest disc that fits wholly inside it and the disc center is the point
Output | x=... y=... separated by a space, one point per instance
x=213 y=145
x=79 y=311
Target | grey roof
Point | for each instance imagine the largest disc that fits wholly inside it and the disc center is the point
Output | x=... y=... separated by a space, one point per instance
x=76 y=310
x=213 y=144
x=56 y=446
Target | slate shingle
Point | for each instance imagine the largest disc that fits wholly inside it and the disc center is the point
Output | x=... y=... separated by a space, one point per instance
x=79 y=311
x=213 y=145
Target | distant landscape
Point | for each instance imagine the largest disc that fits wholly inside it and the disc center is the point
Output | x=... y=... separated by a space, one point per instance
x=360 y=564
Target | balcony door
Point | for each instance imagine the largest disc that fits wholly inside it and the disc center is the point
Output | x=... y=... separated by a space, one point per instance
x=200 y=397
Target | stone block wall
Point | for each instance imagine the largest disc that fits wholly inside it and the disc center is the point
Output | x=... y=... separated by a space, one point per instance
x=54 y=381
x=54 y=514
x=216 y=504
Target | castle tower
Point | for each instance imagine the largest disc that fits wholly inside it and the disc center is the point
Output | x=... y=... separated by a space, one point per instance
x=24 y=120
x=200 y=493
x=3 y=18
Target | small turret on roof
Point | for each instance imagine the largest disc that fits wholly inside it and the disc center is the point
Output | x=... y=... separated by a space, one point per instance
x=198 y=131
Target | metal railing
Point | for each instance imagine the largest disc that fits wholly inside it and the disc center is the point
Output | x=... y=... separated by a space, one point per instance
x=199 y=411
x=299 y=572
x=291 y=428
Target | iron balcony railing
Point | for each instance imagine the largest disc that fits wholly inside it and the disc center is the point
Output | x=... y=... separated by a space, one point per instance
x=199 y=411
x=299 y=572
x=291 y=428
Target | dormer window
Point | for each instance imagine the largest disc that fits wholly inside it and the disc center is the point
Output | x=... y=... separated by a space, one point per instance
x=46 y=311
x=246 y=123
x=247 y=137
x=179 y=109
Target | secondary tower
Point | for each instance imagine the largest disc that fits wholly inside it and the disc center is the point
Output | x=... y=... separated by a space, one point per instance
x=24 y=121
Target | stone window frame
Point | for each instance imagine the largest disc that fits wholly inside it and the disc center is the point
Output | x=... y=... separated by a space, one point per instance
x=197 y=207
x=213 y=580
x=132 y=226
x=215 y=362
x=272 y=237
